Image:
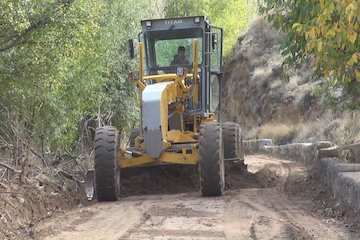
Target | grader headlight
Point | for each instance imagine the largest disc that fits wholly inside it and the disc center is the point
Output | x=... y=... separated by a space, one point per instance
x=181 y=71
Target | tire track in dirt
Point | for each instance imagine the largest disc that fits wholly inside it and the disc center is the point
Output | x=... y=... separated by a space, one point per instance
x=192 y=219
x=270 y=214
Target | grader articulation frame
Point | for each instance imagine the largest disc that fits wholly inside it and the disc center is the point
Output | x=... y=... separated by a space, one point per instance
x=180 y=109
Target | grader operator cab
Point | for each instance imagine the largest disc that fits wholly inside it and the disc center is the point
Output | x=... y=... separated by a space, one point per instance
x=179 y=79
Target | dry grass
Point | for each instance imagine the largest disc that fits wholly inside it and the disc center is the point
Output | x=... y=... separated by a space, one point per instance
x=346 y=129
x=279 y=133
x=343 y=129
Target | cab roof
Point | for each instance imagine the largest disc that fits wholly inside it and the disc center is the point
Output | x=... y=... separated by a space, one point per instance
x=174 y=23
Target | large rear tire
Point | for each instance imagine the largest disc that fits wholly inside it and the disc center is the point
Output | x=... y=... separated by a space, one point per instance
x=211 y=160
x=107 y=174
x=233 y=142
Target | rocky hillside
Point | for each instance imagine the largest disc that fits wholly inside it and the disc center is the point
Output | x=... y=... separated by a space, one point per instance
x=254 y=77
x=256 y=94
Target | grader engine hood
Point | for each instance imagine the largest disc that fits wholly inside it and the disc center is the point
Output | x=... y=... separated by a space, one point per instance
x=154 y=117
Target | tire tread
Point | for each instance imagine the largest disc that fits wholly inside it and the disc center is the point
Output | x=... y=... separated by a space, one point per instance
x=211 y=161
x=105 y=165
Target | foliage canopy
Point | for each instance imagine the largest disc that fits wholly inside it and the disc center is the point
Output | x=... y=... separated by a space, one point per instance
x=232 y=15
x=64 y=61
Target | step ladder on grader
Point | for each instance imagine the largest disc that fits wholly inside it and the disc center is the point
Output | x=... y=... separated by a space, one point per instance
x=179 y=79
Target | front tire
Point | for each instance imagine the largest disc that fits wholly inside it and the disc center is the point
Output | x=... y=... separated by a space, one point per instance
x=211 y=160
x=107 y=174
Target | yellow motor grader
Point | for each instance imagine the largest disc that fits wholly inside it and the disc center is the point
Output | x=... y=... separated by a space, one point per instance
x=179 y=79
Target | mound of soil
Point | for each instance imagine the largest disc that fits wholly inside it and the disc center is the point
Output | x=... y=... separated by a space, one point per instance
x=170 y=179
x=238 y=177
x=163 y=179
x=24 y=204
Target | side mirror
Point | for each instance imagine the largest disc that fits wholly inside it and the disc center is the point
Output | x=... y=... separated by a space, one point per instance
x=131 y=49
x=214 y=42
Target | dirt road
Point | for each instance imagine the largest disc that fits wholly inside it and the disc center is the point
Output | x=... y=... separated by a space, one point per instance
x=262 y=209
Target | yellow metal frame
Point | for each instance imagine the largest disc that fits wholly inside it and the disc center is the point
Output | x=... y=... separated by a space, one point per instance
x=165 y=157
x=177 y=136
x=173 y=92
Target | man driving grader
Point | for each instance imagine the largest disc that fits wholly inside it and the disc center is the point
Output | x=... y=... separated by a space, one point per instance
x=180 y=58
x=180 y=109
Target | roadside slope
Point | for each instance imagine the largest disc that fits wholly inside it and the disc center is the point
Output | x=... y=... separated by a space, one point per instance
x=253 y=89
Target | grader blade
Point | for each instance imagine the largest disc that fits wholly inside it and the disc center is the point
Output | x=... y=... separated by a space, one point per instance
x=89 y=184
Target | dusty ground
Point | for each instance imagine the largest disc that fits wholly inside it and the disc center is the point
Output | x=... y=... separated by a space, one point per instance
x=269 y=202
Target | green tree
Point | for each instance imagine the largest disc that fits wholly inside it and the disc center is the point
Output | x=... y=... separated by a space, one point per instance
x=62 y=60
x=232 y=15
